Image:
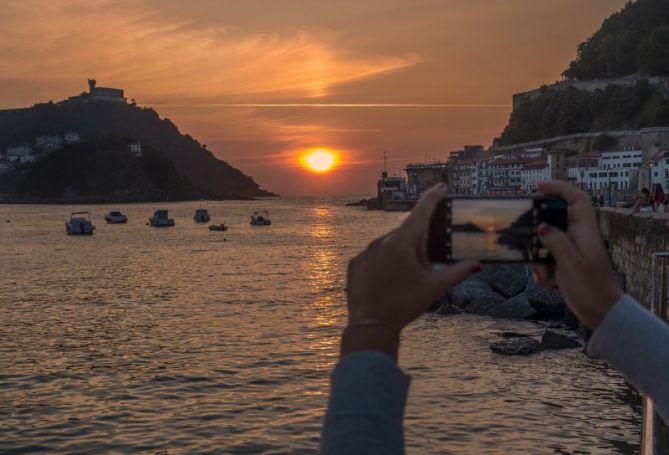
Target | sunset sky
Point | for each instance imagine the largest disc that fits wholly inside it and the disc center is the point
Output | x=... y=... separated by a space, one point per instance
x=416 y=78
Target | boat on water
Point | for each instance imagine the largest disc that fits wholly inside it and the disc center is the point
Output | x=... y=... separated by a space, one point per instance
x=116 y=217
x=201 y=216
x=79 y=224
x=218 y=227
x=161 y=218
x=260 y=218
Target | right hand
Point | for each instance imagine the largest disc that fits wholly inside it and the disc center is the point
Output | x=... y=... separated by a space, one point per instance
x=582 y=270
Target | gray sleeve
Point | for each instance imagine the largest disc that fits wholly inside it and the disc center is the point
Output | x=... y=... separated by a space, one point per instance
x=366 y=408
x=636 y=343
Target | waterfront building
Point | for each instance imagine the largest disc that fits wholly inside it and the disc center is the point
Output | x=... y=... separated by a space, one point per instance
x=533 y=173
x=421 y=176
x=557 y=163
x=391 y=188
x=659 y=169
x=615 y=170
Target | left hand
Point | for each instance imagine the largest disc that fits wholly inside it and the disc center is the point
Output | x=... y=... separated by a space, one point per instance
x=392 y=282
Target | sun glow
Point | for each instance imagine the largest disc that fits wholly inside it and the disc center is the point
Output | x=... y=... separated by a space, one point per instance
x=319 y=160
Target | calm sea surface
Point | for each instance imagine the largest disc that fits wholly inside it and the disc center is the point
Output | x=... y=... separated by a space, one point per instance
x=170 y=341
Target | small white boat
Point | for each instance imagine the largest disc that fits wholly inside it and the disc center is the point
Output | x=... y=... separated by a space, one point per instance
x=115 y=217
x=160 y=218
x=201 y=216
x=79 y=225
x=260 y=218
x=218 y=227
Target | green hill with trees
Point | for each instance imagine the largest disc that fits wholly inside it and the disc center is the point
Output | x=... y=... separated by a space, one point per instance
x=634 y=40
x=96 y=120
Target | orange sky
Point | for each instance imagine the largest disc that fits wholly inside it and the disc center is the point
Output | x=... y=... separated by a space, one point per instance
x=416 y=78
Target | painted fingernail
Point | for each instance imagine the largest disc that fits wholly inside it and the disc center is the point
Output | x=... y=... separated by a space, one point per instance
x=544 y=230
x=475 y=269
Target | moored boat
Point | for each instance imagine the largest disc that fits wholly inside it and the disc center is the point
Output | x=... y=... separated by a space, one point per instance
x=79 y=224
x=161 y=218
x=116 y=217
x=201 y=216
x=218 y=227
x=260 y=218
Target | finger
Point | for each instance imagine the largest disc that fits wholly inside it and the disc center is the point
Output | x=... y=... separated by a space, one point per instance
x=438 y=282
x=560 y=246
x=421 y=251
x=578 y=201
x=544 y=275
x=418 y=220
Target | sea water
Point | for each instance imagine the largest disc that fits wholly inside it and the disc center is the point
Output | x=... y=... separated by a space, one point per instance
x=185 y=340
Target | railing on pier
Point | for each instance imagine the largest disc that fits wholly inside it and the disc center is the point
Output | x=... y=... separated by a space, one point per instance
x=655 y=435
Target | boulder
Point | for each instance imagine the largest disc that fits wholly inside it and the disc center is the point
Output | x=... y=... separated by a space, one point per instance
x=516 y=346
x=548 y=302
x=518 y=307
x=507 y=279
x=552 y=339
x=475 y=296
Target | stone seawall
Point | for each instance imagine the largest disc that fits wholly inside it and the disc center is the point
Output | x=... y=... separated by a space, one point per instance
x=632 y=241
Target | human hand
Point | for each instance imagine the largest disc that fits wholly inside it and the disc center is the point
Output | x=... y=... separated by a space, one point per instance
x=582 y=271
x=392 y=282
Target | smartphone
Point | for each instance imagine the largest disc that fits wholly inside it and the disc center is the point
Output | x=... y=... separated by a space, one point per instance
x=490 y=229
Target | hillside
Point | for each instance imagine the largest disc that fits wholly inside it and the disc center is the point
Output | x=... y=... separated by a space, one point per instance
x=99 y=119
x=561 y=112
x=634 y=40
x=102 y=170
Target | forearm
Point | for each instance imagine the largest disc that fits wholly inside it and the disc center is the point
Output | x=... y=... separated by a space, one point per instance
x=636 y=343
x=366 y=408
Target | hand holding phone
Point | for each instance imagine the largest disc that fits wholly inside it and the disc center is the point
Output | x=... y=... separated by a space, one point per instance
x=493 y=229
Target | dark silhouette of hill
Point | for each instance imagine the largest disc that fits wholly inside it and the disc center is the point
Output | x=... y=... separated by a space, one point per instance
x=99 y=119
x=634 y=40
x=101 y=170
x=466 y=227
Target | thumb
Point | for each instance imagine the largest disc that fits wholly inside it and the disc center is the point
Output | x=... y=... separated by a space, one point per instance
x=559 y=244
x=438 y=282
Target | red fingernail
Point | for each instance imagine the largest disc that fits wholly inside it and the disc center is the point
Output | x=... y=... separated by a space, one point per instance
x=544 y=230
x=475 y=269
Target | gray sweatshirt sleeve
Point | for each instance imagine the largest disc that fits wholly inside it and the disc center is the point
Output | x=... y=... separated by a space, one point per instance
x=366 y=408
x=636 y=343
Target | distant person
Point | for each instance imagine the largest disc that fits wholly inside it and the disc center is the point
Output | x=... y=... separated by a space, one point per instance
x=600 y=199
x=392 y=283
x=659 y=197
x=644 y=203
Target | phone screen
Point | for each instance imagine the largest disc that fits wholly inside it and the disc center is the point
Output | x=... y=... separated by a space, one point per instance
x=493 y=230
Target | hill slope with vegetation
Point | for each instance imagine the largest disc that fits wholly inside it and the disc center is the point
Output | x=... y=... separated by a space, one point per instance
x=634 y=40
x=99 y=120
x=102 y=170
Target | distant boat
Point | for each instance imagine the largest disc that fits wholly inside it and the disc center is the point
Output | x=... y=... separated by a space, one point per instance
x=116 y=217
x=218 y=227
x=79 y=225
x=260 y=218
x=201 y=216
x=160 y=218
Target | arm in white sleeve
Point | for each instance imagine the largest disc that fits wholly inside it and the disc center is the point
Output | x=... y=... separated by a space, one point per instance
x=636 y=343
x=366 y=409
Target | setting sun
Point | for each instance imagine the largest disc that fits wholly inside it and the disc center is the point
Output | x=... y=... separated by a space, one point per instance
x=319 y=160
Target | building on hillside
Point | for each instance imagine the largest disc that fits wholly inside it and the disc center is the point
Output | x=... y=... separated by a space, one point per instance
x=71 y=138
x=95 y=93
x=135 y=148
x=503 y=176
x=659 y=169
x=464 y=179
x=533 y=173
x=421 y=176
x=622 y=159
x=604 y=171
x=19 y=154
x=49 y=143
